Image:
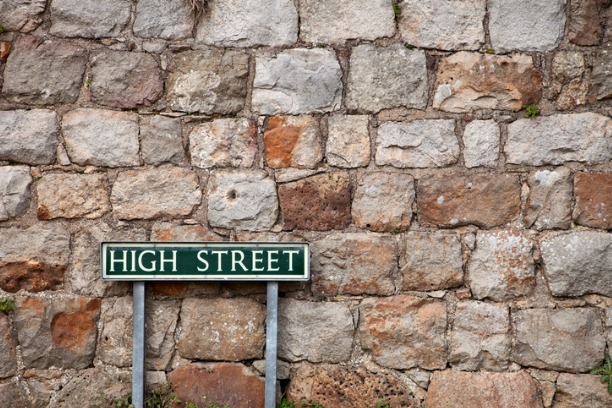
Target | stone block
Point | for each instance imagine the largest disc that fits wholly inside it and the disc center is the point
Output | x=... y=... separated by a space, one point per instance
x=20 y=15
x=224 y=143
x=601 y=80
x=13 y=395
x=549 y=202
x=115 y=346
x=72 y=196
x=585 y=24
x=348 y=141
x=292 y=141
x=29 y=136
x=14 y=191
x=481 y=143
x=167 y=231
x=569 y=85
x=593 y=193
x=160 y=326
x=161 y=140
x=581 y=390
x=8 y=348
x=166 y=19
x=88 y=385
x=89 y=18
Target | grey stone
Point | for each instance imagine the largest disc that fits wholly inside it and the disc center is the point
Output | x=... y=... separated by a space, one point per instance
x=14 y=191
x=72 y=196
x=297 y=81
x=29 y=136
x=314 y=331
x=161 y=321
x=101 y=137
x=419 y=143
x=87 y=385
x=247 y=23
x=447 y=25
x=283 y=369
x=89 y=18
x=13 y=395
x=583 y=137
x=115 y=346
x=389 y=77
x=578 y=263
x=601 y=78
x=161 y=140
x=22 y=15
x=549 y=202
x=167 y=19
x=8 y=348
x=581 y=390
x=348 y=141
x=242 y=200
x=525 y=25
x=208 y=81
x=569 y=83
x=157 y=192
x=481 y=143
x=561 y=340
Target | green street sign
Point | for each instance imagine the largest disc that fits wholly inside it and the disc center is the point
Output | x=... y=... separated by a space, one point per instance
x=239 y=261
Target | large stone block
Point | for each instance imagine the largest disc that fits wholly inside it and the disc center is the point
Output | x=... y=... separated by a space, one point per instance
x=167 y=19
x=548 y=205
x=388 y=77
x=29 y=136
x=161 y=140
x=601 y=80
x=14 y=191
x=8 y=348
x=585 y=23
x=593 y=193
x=570 y=84
x=115 y=347
x=22 y=15
x=89 y=18
x=481 y=143
x=292 y=141
x=160 y=326
x=580 y=390
x=224 y=143
x=92 y=385
x=72 y=196
x=348 y=141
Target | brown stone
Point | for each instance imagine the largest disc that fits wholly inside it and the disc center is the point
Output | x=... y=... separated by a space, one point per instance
x=484 y=200
x=167 y=231
x=293 y=141
x=5 y=49
x=72 y=196
x=593 y=193
x=8 y=348
x=220 y=383
x=579 y=391
x=320 y=202
x=12 y=395
x=569 y=83
x=585 y=25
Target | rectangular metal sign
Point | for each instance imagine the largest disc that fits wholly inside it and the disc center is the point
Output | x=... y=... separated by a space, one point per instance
x=150 y=261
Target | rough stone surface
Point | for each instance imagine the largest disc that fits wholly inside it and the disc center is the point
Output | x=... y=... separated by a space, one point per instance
x=577 y=391
x=43 y=72
x=485 y=200
x=293 y=141
x=482 y=390
x=167 y=19
x=8 y=348
x=578 y=263
x=585 y=26
x=466 y=81
x=222 y=329
x=224 y=143
x=549 y=202
x=601 y=80
x=115 y=345
x=418 y=143
x=101 y=137
x=481 y=143
x=157 y=192
x=593 y=193
x=404 y=331
x=569 y=84
x=208 y=81
x=29 y=136
x=125 y=79
x=525 y=25
x=431 y=261
x=353 y=264
x=502 y=266
x=88 y=385
x=166 y=231
x=72 y=196
x=20 y=15
x=388 y=77
x=247 y=23
x=297 y=81
x=447 y=25
x=242 y=200
x=14 y=191
x=89 y=18
x=317 y=332
x=348 y=141
x=334 y=22
x=562 y=340
x=320 y=202
x=160 y=140
x=12 y=395
x=161 y=322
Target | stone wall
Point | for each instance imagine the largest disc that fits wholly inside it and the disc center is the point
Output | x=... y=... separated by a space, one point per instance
x=461 y=253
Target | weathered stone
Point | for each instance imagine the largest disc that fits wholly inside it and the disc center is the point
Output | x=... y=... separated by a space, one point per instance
x=8 y=348
x=524 y=25
x=337 y=21
x=157 y=192
x=480 y=338
x=585 y=26
x=43 y=72
x=115 y=346
x=419 y=143
x=353 y=264
x=161 y=140
x=485 y=200
x=583 y=137
x=20 y=15
x=89 y=18
x=208 y=81
x=315 y=331
x=549 y=202
x=57 y=332
x=481 y=143
x=12 y=395
x=283 y=368
x=161 y=321
x=569 y=84
x=593 y=193
x=72 y=196
x=224 y=143
x=388 y=77
x=448 y=25
x=431 y=261
x=297 y=81
x=242 y=200
x=320 y=202
x=248 y=23
x=502 y=267
x=482 y=390
x=222 y=329
x=293 y=141
x=101 y=137
x=121 y=79
x=563 y=340
x=601 y=80
x=167 y=19
x=348 y=141
x=578 y=263
x=404 y=331
x=383 y=202
x=29 y=136
x=166 y=231
x=14 y=191
x=92 y=386
x=467 y=81
x=577 y=391
x=218 y=383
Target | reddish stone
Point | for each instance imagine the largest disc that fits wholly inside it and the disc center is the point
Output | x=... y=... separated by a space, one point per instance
x=31 y=275
x=585 y=25
x=292 y=141
x=72 y=331
x=5 y=49
x=593 y=193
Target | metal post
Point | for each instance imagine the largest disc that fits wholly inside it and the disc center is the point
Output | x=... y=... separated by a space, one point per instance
x=271 y=343
x=138 y=347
